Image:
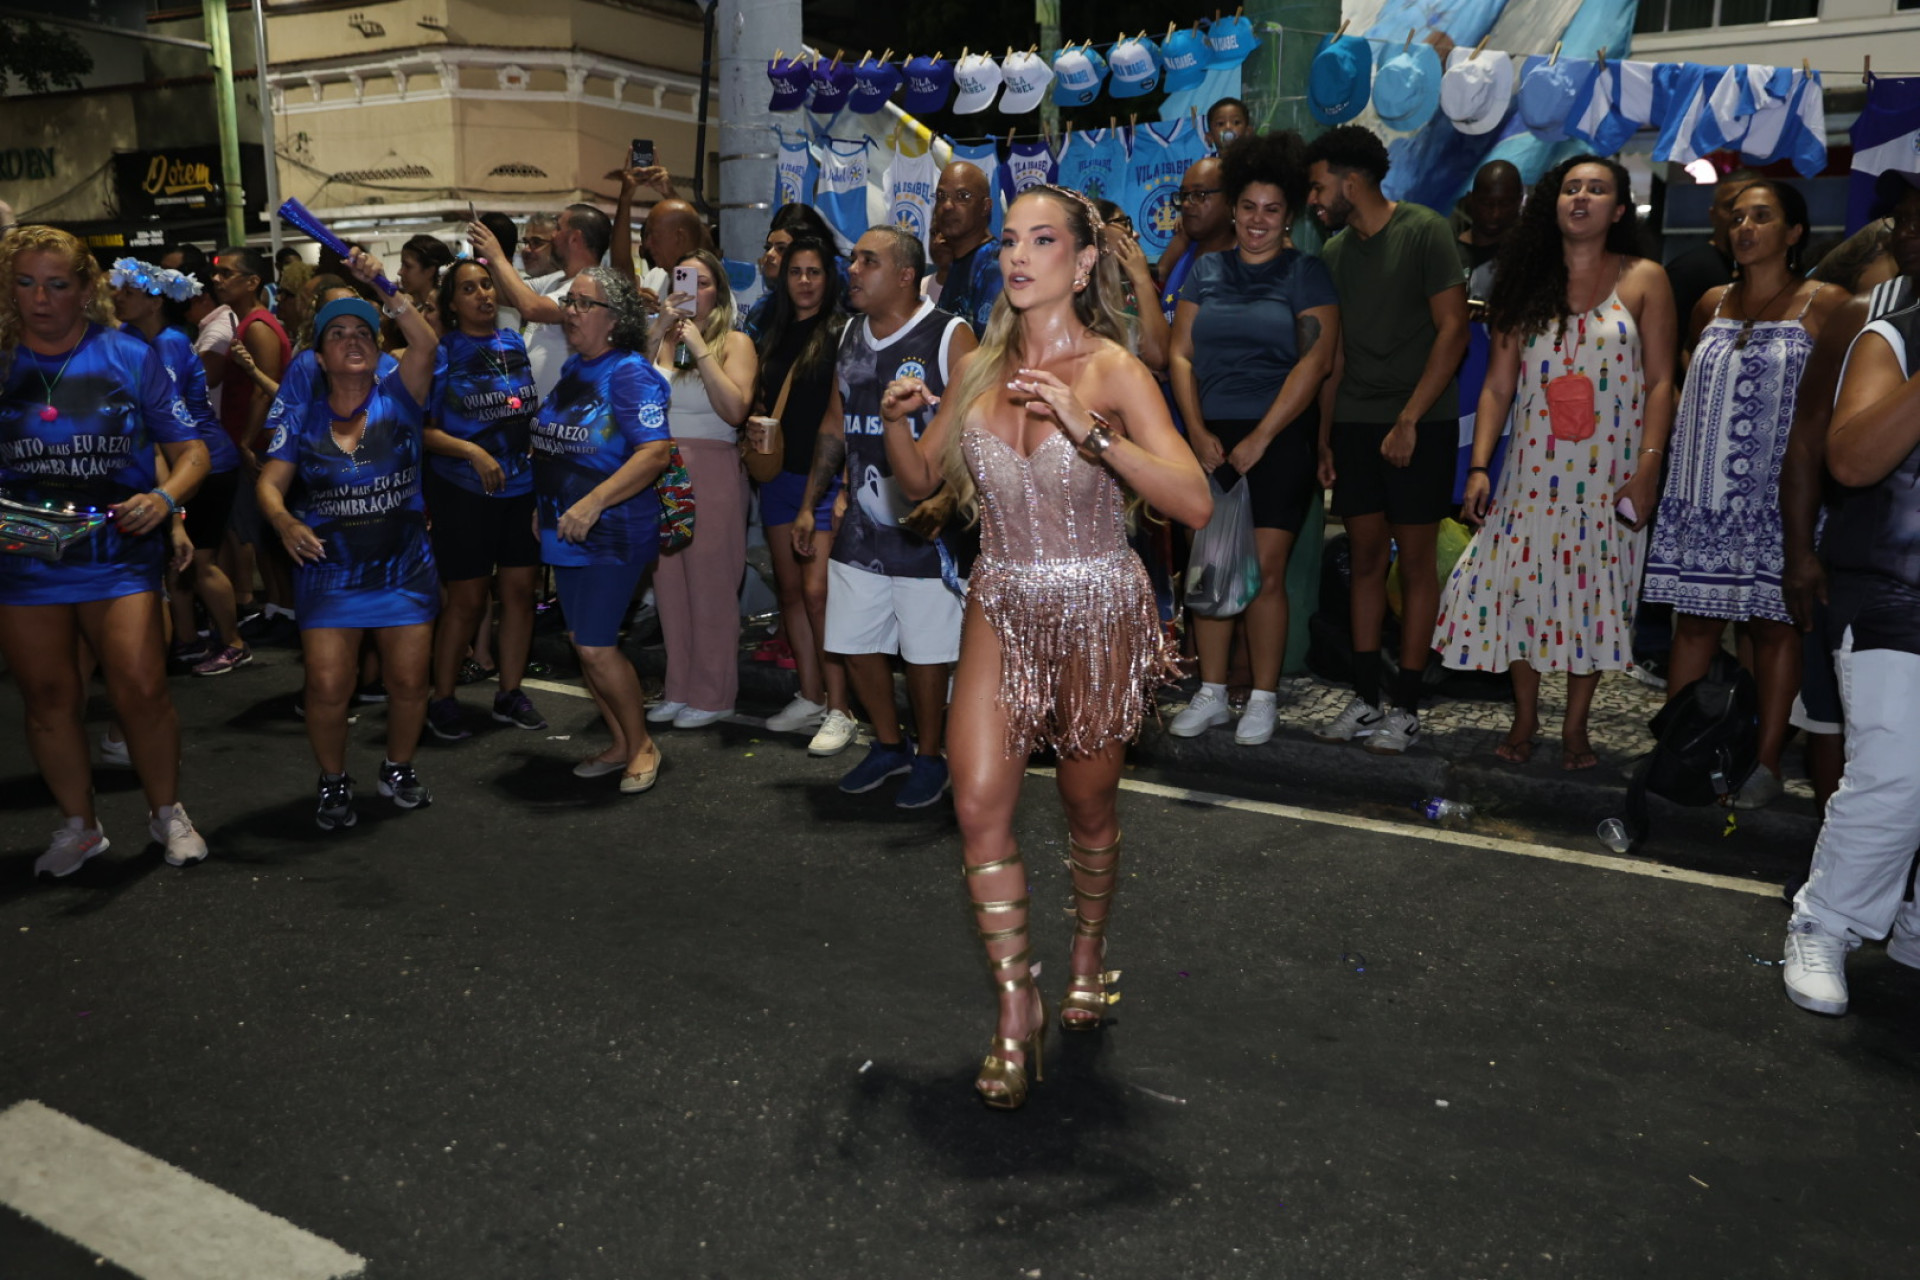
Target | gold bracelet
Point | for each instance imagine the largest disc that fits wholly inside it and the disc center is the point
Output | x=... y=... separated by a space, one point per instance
x=1099 y=436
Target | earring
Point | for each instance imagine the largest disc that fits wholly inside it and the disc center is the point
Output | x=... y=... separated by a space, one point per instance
x=1080 y=284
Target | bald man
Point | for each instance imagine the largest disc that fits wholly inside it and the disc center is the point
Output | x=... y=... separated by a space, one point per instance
x=1492 y=207
x=963 y=217
x=1206 y=226
x=672 y=231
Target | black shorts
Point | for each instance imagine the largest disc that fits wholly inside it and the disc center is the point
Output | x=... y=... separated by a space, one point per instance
x=210 y=508
x=1367 y=484
x=474 y=534
x=1282 y=484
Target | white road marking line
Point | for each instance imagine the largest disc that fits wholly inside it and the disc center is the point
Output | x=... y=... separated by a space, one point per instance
x=144 y=1215
x=1442 y=835
x=1439 y=835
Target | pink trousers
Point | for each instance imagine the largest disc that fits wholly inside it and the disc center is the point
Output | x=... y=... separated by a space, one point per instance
x=697 y=588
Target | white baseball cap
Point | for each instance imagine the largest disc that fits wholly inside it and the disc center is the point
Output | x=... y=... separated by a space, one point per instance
x=1136 y=68
x=1027 y=76
x=978 y=78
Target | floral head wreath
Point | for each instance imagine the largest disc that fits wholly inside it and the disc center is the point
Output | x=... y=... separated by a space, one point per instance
x=161 y=281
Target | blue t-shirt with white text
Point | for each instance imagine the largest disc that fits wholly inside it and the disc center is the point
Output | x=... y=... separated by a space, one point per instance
x=114 y=403
x=190 y=381
x=365 y=507
x=483 y=393
x=601 y=412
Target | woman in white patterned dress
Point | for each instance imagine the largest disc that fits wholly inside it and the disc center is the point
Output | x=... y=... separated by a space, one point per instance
x=1717 y=553
x=1583 y=335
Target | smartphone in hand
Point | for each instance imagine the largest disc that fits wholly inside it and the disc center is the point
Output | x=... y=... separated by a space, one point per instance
x=640 y=154
x=686 y=279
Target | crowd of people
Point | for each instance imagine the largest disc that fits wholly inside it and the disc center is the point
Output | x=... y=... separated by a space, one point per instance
x=962 y=451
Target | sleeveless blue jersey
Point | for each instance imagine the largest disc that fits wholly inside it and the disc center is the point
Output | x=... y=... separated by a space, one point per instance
x=367 y=510
x=601 y=413
x=113 y=403
x=483 y=392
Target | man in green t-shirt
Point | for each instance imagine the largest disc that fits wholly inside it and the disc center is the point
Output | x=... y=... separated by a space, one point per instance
x=1389 y=448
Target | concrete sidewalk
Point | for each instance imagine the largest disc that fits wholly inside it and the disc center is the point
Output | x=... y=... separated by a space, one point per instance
x=1453 y=759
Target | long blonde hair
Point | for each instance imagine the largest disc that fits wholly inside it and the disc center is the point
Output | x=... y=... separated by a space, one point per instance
x=1098 y=307
x=86 y=270
x=720 y=320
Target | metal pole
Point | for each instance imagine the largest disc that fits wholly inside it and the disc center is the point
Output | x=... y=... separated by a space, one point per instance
x=1047 y=14
x=700 y=134
x=748 y=32
x=220 y=58
x=269 y=141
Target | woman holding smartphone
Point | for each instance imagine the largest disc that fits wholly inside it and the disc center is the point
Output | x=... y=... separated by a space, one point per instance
x=1583 y=333
x=712 y=368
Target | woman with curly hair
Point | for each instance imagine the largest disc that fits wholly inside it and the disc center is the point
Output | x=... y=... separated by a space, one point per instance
x=599 y=444
x=1253 y=341
x=712 y=368
x=1719 y=551
x=1583 y=337
x=1045 y=429
x=84 y=409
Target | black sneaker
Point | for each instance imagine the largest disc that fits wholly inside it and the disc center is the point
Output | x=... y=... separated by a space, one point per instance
x=375 y=692
x=472 y=672
x=336 y=802
x=399 y=783
x=443 y=718
x=514 y=707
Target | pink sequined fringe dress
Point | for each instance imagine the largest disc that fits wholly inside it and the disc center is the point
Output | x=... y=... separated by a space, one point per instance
x=1070 y=601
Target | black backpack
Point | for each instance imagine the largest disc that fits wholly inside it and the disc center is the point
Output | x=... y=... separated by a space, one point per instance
x=1708 y=744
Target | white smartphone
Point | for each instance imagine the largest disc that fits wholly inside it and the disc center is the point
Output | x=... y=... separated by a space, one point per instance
x=686 y=279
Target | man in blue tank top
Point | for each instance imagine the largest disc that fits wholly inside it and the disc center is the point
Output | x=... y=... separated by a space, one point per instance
x=886 y=592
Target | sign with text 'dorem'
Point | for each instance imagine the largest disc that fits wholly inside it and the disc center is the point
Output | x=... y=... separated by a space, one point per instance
x=168 y=183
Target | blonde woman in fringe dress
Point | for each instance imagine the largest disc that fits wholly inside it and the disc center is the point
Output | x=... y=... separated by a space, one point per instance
x=1051 y=418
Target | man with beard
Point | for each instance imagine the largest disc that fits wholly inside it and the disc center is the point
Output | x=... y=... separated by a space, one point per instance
x=963 y=218
x=1391 y=451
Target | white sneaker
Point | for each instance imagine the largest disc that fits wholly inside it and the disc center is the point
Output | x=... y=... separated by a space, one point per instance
x=836 y=734
x=1208 y=710
x=71 y=846
x=1904 y=948
x=799 y=714
x=115 y=753
x=1816 y=970
x=664 y=712
x=1256 y=722
x=694 y=718
x=184 y=845
x=1359 y=720
x=1398 y=730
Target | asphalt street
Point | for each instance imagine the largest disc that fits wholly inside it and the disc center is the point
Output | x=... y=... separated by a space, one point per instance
x=728 y=1029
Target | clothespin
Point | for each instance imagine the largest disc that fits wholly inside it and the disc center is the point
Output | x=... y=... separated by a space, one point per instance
x=1344 y=23
x=1806 y=69
x=887 y=56
x=1170 y=29
x=964 y=51
x=836 y=63
x=1032 y=49
x=1479 y=48
x=1133 y=121
x=1237 y=12
x=1866 y=69
x=1556 y=54
x=778 y=54
x=1408 y=46
x=937 y=54
x=1601 y=59
x=1113 y=122
x=866 y=58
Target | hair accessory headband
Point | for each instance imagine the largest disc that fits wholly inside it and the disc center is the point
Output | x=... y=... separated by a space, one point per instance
x=160 y=281
x=1094 y=220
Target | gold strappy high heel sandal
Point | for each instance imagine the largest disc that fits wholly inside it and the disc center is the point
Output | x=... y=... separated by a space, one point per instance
x=1009 y=1077
x=1087 y=992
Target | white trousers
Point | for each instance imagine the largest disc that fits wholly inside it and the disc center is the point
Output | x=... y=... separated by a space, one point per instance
x=1865 y=849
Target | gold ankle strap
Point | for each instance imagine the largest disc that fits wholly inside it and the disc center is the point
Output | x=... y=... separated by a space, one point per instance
x=1076 y=847
x=986 y=867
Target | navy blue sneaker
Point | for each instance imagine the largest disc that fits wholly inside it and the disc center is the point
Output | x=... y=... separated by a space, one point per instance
x=443 y=718
x=926 y=785
x=882 y=762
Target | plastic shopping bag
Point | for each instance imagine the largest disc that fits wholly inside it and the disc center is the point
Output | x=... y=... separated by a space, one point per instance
x=1223 y=576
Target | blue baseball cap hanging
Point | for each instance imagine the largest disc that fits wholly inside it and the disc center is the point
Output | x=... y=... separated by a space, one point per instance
x=791 y=78
x=1229 y=41
x=929 y=82
x=1078 y=74
x=873 y=84
x=1135 y=68
x=1185 y=59
x=832 y=86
